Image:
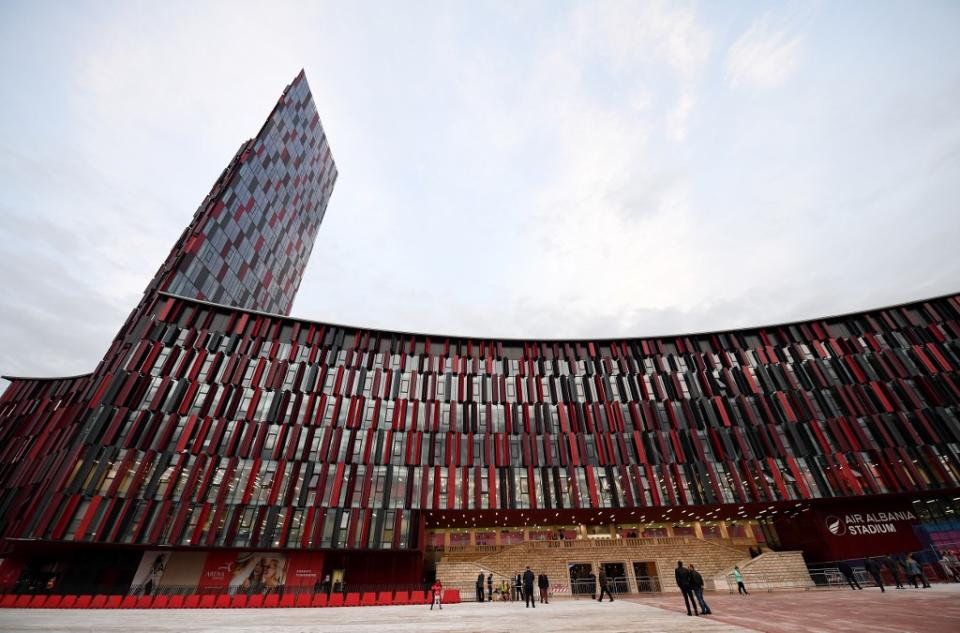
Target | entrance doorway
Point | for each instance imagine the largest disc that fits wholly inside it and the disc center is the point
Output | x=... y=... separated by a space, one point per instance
x=617 y=573
x=582 y=580
x=648 y=581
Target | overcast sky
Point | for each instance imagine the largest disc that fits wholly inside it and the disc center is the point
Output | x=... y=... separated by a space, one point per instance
x=522 y=169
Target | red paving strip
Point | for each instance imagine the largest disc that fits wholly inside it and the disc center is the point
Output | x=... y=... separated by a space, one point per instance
x=836 y=610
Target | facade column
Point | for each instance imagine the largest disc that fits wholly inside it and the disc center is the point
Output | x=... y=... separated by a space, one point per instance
x=473 y=537
x=446 y=540
x=723 y=530
x=669 y=530
x=697 y=529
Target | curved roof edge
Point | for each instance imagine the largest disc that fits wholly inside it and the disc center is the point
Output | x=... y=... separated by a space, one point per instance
x=558 y=340
x=12 y=378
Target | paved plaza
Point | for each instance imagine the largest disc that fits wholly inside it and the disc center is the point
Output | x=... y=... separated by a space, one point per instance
x=928 y=610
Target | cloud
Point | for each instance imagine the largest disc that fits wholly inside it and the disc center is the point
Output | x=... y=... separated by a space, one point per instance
x=764 y=56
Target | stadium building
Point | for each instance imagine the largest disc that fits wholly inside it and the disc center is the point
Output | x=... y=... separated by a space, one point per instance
x=221 y=444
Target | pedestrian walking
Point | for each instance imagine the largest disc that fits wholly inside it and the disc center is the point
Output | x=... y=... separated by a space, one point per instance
x=847 y=572
x=738 y=577
x=490 y=587
x=528 y=588
x=682 y=575
x=894 y=570
x=606 y=584
x=479 y=586
x=914 y=571
x=873 y=568
x=436 y=595
x=950 y=565
x=544 y=586
x=696 y=583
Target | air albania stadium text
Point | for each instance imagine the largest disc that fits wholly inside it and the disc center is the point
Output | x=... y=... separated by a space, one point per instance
x=876 y=523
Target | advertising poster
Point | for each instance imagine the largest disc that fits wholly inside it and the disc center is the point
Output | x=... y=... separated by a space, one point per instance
x=148 y=574
x=218 y=570
x=304 y=569
x=258 y=572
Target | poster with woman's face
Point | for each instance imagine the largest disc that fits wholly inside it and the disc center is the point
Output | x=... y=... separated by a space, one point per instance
x=259 y=571
x=152 y=566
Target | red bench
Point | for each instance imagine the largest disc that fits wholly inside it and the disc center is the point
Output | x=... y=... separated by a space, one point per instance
x=451 y=596
x=37 y=602
x=304 y=600
x=160 y=602
x=68 y=602
x=419 y=597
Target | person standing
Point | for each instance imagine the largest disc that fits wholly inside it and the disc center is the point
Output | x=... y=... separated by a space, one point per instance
x=684 y=581
x=738 y=577
x=544 y=586
x=914 y=571
x=490 y=587
x=847 y=572
x=518 y=587
x=528 y=588
x=873 y=568
x=696 y=583
x=436 y=595
x=892 y=567
x=949 y=563
x=479 y=587
x=605 y=586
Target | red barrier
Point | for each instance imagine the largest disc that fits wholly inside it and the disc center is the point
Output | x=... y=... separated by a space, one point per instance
x=352 y=600
x=320 y=600
x=385 y=598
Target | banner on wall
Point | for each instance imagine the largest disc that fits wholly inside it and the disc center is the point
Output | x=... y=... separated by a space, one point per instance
x=304 y=569
x=258 y=572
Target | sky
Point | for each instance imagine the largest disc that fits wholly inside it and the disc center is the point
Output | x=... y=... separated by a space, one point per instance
x=517 y=169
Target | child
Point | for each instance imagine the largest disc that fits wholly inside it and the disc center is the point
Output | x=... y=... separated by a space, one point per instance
x=437 y=593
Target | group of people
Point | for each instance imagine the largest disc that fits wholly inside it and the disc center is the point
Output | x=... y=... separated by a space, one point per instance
x=522 y=588
x=691 y=586
x=909 y=567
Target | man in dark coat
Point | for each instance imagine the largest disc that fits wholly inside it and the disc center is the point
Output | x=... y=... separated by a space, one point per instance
x=892 y=567
x=847 y=572
x=490 y=587
x=605 y=586
x=528 y=588
x=682 y=575
x=544 y=586
x=518 y=587
x=479 y=587
x=696 y=583
x=873 y=568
